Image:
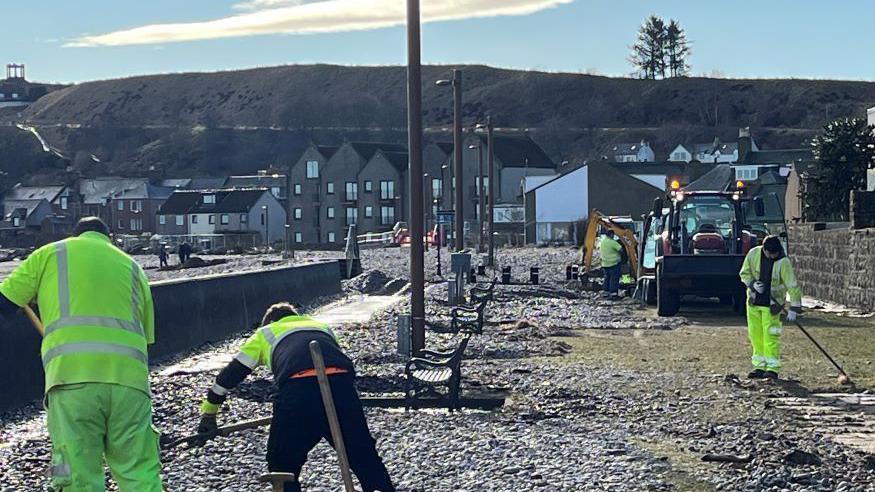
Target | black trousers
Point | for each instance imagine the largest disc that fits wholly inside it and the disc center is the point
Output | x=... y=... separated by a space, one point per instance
x=299 y=423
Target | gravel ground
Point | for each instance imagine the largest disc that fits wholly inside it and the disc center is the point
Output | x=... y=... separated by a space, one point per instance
x=568 y=425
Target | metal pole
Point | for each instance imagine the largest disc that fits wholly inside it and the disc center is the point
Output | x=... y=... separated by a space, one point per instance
x=491 y=165
x=481 y=194
x=426 y=192
x=414 y=135
x=457 y=160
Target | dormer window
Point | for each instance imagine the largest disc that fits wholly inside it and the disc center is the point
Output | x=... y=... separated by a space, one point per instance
x=209 y=199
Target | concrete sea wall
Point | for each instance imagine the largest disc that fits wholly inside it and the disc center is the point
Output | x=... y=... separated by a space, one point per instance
x=188 y=312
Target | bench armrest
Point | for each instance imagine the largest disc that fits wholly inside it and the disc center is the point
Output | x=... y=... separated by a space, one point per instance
x=437 y=354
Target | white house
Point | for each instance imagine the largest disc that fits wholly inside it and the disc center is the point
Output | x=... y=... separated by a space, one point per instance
x=715 y=152
x=680 y=154
x=633 y=152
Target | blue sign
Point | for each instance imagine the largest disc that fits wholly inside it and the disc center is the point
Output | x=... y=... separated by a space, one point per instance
x=445 y=217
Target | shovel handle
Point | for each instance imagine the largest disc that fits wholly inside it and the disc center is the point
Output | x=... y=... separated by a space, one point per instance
x=331 y=414
x=34 y=320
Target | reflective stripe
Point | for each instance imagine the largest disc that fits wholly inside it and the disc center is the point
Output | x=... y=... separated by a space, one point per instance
x=135 y=292
x=775 y=330
x=268 y=335
x=100 y=321
x=63 y=279
x=219 y=389
x=773 y=362
x=299 y=330
x=246 y=360
x=61 y=471
x=92 y=347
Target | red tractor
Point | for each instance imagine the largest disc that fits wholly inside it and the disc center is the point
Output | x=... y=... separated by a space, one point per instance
x=694 y=243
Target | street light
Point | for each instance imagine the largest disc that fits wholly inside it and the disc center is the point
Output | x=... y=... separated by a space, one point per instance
x=266 y=228
x=440 y=231
x=425 y=200
x=481 y=241
x=490 y=142
x=414 y=148
x=456 y=84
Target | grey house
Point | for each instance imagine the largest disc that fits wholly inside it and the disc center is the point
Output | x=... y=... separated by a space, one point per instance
x=383 y=185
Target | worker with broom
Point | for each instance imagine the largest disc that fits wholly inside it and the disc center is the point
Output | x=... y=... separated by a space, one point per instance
x=299 y=419
x=97 y=320
x=770 y=279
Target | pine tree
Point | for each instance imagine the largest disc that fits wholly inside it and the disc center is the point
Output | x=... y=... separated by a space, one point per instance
x=648 y=52
x=843 y=153
x=677 y=49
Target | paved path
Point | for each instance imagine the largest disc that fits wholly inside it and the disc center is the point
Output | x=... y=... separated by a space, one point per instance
x=359 y=310
x=847 y=417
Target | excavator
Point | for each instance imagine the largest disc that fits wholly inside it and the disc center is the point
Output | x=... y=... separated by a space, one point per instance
x=624 y=230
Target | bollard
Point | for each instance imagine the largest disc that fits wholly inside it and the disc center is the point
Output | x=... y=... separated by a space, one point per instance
x=575 y=272
x=568 y=272
x=472 y=275
x=481 y=269
x=533 y=275
x=505 y=275
x=405 y=337
x=451 y=292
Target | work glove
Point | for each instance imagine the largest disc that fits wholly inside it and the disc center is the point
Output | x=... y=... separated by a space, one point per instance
x=791 y=316
x=759 y=287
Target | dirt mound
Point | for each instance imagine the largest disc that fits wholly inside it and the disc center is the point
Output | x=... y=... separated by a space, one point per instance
x=370 y=282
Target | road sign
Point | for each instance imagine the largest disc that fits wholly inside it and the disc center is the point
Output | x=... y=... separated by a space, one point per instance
x=445 y=216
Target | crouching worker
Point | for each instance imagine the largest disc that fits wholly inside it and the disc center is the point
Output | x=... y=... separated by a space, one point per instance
x=769 y=277
x=299 y=422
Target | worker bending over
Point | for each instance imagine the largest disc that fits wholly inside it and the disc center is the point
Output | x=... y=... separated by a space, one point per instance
x=769 y=277
x=96 y=306
x=610 y=251
x=299 y=421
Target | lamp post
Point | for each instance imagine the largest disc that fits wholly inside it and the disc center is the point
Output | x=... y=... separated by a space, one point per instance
x=414 y=147
x=490 y=143
x=440 y=231
x=456 y=84
x=266 y=228
x=425 y=212
x=481 y=197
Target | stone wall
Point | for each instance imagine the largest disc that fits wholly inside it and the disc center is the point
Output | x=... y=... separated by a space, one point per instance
x=187 y=314
x=835 y=263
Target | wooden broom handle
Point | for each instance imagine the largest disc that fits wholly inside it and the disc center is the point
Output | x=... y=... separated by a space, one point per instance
x=35 y=321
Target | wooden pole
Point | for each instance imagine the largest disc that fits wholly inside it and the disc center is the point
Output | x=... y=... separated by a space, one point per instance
x=331 y=414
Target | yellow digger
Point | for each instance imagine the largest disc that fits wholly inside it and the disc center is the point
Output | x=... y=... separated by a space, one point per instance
x=624 y=229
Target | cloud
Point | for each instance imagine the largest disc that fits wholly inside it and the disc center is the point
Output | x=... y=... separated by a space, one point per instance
x=302 y=17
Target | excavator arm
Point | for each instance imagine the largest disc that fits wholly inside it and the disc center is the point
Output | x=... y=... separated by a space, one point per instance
x=625 y=236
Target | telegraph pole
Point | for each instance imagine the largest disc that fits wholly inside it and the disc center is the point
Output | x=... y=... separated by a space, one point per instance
x=414 y=135
x=490 y=141
x=457 y=160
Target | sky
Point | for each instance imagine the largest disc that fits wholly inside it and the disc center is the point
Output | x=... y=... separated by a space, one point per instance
x=66 y=41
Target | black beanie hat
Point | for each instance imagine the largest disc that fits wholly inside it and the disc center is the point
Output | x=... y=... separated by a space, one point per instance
x=772 y=244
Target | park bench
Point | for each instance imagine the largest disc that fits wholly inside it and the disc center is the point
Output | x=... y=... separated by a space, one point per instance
x=468 y=318
x=435 y=369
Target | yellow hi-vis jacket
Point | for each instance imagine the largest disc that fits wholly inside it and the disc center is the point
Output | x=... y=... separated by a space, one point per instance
x=609 y=250
x=95 y=303
x=783 y=277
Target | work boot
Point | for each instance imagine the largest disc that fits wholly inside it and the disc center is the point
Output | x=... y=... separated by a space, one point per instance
x=771 y=375
x=757 y=374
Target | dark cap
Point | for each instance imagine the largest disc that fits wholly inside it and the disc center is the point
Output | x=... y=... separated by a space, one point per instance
x=772 y=244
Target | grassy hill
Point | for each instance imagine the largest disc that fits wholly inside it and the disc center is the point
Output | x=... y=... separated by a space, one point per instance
x=205 y=123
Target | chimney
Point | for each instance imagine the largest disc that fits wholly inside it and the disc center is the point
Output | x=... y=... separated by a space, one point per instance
x=745 y=144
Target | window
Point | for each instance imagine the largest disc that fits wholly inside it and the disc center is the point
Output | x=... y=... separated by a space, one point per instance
x=121 y=205
x=16 y=221
x=136 y=224
x=121 y=224
x=14 y=95
x=162 y=219
x=312 y=169
x=275 y=191
x=436 y=188
x=331 y=237
x=678 y=156
x=369 y=186
x=387 y=190
x=136 y=206
x=746 y=173
x=477 y=187
x=298 y=189
x=330 y=212
x=369 y=212
x=298 y=213
x=212 y=219
x=63 y=203
x=210 y=199
x=180 y=220
x=194 y=219
x=387 y=215
x=299 y=238
x=352 y=191
x=329 y=188
x=244 y=218
x=352 y=216
x=225 y=219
